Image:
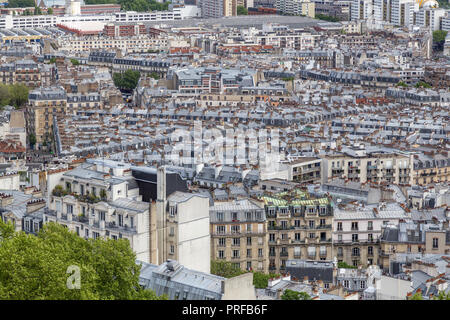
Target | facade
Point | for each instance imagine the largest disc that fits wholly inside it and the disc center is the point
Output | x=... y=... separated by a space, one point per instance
x=27 y=72
x=44 y=104
x=402 y=12
x=218 y=8
x=305 y=170
x=296 y=7
x=182 y=226
x=412 y=238
x=357 y=232
x=239 y=234
x=299 y=226
x=102 y=201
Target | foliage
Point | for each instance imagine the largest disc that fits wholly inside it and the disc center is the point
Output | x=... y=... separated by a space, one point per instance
x=401 y=84
x=295 y=295
x=37 y=11
x=326 y=18
x=261 y=280
x=416 y=296
x=20 y=3
x=103 y=193
x=6 y=230
x=134 y=5
x=13 y=94
x=127 y=80
x=242 y=11
x=288 y=79
x=52 y=60
x=422 y=84
x=343 y=264
x=50 y=11
x=107 y=267
x=225 y=269
x=75 y=62
x=442 y=296
x=154 y=75
x=32 y=139
x=439 y=36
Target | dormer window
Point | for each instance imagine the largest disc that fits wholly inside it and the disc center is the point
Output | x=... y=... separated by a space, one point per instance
x=172 y=210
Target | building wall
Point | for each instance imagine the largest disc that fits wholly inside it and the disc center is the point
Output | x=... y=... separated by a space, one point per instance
x=239 y=288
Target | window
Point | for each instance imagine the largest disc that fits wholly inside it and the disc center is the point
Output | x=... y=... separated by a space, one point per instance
x=435 y=243
x=120 y=220
x=363 y=284
x=219 y=216
x=172 y=249
x=284 y=236
x=249 y=241
x=235 y=229
x=220 y=229
x=77 y=230
x=69 y=208
x=221 y=254
x=95 y=235
x=271 y=236
x=355 y=263
x=354 y=225
x=86 y=233
x=297 y=223
x=249 y=228
x=312 y=235
x=235 y=253
x=355 y=237
x=355 y=252
x=370 y=237
x=339 y=226
x=311 y=224
x=370 y=225
x=249 y=265
x=249 y=253
x=297 y=237
x=101 y=215
x=322 y=222
x=340 y=252
x=221 y=242
x=172 y=210
x=370 y=251
x=260 y=253
x=234 y=216
x=346 y=283
x=236 y=241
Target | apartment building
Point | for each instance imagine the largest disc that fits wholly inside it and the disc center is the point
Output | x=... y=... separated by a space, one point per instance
x=431 y=168
x=182 y=226
x=299 y=226
x=361 y=9
x=411 y=237
x=218 y=8
x=402 y=12
x=362 y=166
x=296 y=7
x=239 y=234
x=430 y=18
x=124 y=30
x=357 y=231
x=305 y=170
x=28 y=73
x=101 y=201
x=44 y=104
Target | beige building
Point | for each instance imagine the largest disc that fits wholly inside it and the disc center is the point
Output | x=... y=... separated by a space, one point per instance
x=239 y=234
x=43 y=105
x=299 y=227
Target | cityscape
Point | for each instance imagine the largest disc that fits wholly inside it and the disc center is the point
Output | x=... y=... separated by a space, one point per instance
x=255 y=150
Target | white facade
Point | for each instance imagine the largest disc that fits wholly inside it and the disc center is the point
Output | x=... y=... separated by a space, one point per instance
x=361 y=10
x=430 y=18
x=402 y=12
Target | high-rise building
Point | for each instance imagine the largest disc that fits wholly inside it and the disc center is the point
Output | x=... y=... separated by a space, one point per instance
x=296 y=7
x=402 y=12
x=218 y=8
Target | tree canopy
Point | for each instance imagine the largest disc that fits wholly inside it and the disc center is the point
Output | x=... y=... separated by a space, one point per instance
x=14 y=94
x=326 y=18
x=127 y=80
x=294 y=295
x=225 y=269
x=261 y=280
x=242 y=11
x=42 y=267
x=134 y=5
x=20 y=3
x=345 y=265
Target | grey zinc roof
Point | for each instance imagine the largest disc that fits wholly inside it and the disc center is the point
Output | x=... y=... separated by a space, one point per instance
x=179 y=196
x=129 y=204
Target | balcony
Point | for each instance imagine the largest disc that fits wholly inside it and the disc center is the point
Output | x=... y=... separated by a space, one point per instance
x=284 y=254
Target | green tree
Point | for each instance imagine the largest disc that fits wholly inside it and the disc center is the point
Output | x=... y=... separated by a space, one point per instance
x=261 y=280
x=32 y=139
x=18 y=95
x=49 y=11
x=4 y=95
x=75 y=62
x=242 y=11
x=439 y=39
x=422 y=84
x=127 y=80
x=154 y=75
x=326 y=18
x=294 y=295
x=37 y=11
x=442 y=296
x=416 y=296
x=107 y=267
x=20 y=3
x=401 y=84
x=345 y=265
x=225 y=269
x=52 y=60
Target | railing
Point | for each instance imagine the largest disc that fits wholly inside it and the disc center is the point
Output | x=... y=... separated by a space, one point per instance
x=284 y=254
